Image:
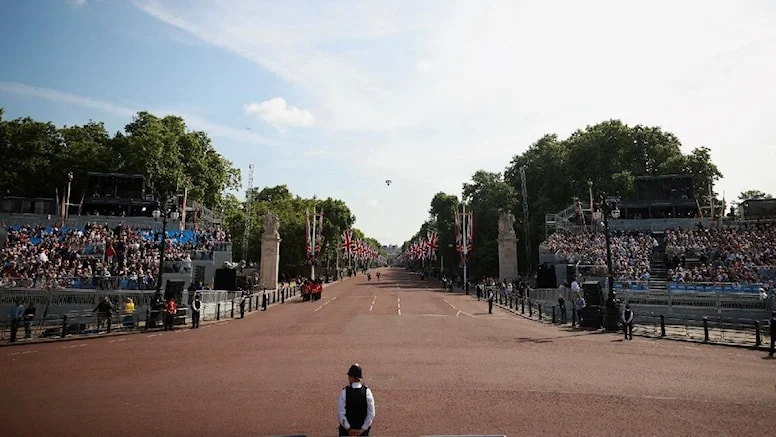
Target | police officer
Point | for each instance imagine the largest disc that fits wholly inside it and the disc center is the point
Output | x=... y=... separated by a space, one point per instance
x=491 y=296
x=196 y=307
x=355 y=406
x=627 y=322
x=773 y=334
x=243 y=301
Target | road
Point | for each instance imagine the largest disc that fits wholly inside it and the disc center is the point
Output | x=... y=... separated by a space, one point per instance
x=436 y=361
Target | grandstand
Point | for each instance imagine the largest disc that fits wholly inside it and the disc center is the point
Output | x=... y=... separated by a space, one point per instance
x=117 y=251
x=661 y=243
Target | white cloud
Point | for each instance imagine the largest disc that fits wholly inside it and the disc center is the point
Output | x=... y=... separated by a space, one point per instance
x=277 y=113
x=313 y=153
x=426 y=96
x=374 y=203
x=192 y=121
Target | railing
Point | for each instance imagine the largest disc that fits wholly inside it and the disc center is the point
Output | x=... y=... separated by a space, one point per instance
x=86 y=323
x=94 y=283
x=709 y=329
x=714 y=287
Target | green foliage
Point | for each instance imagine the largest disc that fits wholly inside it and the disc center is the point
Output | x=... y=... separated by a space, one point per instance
x=610 y=154
x=161 y=149
x=291 y=211
x=754 y=195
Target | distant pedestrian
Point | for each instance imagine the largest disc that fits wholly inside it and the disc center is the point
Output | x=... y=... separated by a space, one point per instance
x=491 y=296
x=627 y=322
x=579 y=305
x=171 y=310
x=355 y=405
x=196 y=307
x=773 y=334
x=29 y=317
x=15 y=315
x=562 y=308
x=243 y=300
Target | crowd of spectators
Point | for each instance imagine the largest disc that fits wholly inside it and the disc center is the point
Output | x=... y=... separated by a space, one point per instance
x=744 y=254
x=631 y=252
x=96 y=256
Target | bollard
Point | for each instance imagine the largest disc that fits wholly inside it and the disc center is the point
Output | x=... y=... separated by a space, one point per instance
x=283 y=297
x=232 y=314
x=757 y=339
x=264 y=300
x=64 y=326
x=109 y=322
x=148 y=318
x=553 y=314
x=218 y=311
x=705 y=329
x=573 y=317
x=540 y=310
x=250 y=304
x=662 y=325
x=522 y=306
x=530 y=309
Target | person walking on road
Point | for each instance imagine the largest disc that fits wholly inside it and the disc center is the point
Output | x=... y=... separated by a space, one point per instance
x=627 y=322
x=355 y=405
x=491 y=296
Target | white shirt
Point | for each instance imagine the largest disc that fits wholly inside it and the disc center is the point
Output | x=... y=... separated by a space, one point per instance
x=370 y=408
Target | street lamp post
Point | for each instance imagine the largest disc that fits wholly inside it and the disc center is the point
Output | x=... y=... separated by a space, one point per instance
x=609 y=207
x=173 y=214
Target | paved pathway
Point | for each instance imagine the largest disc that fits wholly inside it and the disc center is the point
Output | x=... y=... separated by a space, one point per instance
x=437 y=362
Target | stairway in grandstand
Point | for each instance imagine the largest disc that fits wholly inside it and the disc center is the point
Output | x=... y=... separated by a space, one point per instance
x=658 y=271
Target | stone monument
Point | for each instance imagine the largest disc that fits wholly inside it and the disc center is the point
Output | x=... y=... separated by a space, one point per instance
x=507 y=246
x=270 y=252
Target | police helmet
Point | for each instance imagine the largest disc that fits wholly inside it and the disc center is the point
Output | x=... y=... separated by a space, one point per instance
x=355 y=371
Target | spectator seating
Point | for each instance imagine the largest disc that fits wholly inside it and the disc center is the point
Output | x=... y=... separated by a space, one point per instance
x=97 y=256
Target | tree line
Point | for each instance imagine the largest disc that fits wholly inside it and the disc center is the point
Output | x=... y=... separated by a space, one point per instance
x=37 y=157
x=610 y=154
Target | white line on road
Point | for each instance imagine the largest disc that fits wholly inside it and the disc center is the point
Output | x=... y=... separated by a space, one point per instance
x=74 y=346
x=324 y=304
x=373 y=303
x=398 y=305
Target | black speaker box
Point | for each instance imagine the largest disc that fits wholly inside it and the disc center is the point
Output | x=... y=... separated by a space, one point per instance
x=225 y=279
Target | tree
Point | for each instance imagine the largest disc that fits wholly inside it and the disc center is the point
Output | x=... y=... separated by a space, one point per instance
x=169 y=157
x=610 y=154
x=753 y=195
x=489 y=195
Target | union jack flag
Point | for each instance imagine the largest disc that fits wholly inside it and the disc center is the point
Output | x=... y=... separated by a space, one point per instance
x=432 y=244
x=347 y=243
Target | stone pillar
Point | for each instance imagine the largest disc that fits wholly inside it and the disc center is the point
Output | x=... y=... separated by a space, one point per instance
x=507 y=247
x=270 y=253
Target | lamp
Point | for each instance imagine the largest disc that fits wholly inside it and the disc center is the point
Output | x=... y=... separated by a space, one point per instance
x=616 y=213
x=156 y=213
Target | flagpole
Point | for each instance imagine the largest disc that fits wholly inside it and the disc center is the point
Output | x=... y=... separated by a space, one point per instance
x=312 y=245
x=464 y=241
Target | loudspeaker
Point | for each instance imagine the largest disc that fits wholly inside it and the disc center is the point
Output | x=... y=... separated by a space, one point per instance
x=225 y=279
x=174 y=290
x=594 y=295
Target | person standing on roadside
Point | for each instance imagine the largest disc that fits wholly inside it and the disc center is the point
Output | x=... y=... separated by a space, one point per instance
x=773 y=334
x=196 y=307
x=355 y=405
x=491 y=296
x=627 y=322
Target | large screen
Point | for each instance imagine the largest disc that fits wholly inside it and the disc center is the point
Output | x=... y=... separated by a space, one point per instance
x=664 y=188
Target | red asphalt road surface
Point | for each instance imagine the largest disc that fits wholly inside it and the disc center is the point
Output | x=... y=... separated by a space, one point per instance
x=437 y=363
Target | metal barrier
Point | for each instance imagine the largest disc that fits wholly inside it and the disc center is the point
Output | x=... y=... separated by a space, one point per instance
x=753 y=333
x=87 y=323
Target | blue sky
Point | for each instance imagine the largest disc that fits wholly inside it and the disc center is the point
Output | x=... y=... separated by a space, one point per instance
x=340 y=95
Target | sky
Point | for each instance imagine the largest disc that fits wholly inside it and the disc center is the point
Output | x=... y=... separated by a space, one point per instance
x=334 y=97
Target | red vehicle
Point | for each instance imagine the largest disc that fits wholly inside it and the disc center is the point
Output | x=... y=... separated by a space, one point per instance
x=311 y=290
